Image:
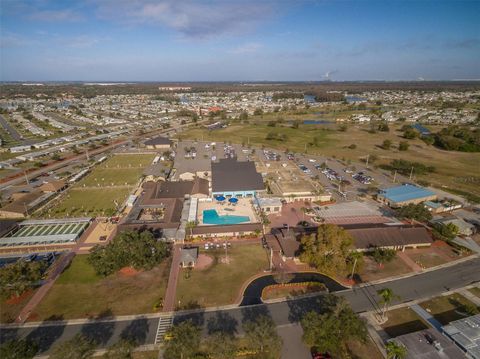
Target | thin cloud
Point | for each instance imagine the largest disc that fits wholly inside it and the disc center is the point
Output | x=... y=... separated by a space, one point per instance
x=467 y=44
x=10 y=39
x=82 y=41
x=247 y=48
x=189 y=18
x=55 y=15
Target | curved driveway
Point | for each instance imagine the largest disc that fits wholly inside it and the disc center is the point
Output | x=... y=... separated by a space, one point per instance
x=143 y=329
x=253 y=291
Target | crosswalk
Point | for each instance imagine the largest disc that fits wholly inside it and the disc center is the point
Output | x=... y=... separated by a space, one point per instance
x=164 y=324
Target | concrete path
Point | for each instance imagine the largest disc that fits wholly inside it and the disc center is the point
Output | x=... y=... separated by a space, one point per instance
x=471 y=297
x=144 y=328
x=43 y=290
x=169 y=301
x=58 y=269
x=293 y=345
x=427 y=317
x=408 y=261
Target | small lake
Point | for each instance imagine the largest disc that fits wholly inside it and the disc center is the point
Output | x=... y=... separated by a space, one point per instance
x=353 y=99
x=422 y=129
x=309 y=98
x=316 y=122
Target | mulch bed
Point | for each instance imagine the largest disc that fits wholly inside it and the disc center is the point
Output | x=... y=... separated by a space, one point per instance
x=16 y=300
x=128 y=272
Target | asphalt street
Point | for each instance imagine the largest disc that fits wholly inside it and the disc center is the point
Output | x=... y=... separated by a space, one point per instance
x=143 y=329
x=13 y=132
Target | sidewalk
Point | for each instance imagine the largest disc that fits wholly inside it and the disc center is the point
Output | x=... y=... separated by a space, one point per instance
x=408 y=261
x=470 y=296
x=52 y=277
x=170 y=293
x=411 y=274
x=422 y=313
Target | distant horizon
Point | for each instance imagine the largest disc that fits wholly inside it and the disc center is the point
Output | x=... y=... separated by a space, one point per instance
x=279 y=82
x=223 y=40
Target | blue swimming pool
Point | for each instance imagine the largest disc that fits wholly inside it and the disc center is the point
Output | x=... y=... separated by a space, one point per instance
x=210 y=216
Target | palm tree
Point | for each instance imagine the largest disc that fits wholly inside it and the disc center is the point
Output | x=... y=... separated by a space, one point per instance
x=355 y=256
x=191 y=225
x=265 y=221
x=395 y=350
x=387 y=296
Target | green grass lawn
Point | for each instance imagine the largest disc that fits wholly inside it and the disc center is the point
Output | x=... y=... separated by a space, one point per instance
x=402 y=321
x=128 y=161
x=255 y=135
x=458 y=171
x=220 y=284
x=372 y=271
x=111 y=181
x=80 y=293
x=427 y=260
x=111 y=177
x=94 y=201
x=149 y=354
x=358 y=350
x=475 y=291
x=447 y=308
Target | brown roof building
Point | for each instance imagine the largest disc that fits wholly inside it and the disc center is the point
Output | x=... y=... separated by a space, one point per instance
x=53 y=186
x=21 y=206
x=162 y=203
x=158 y=143
x=392 y=237
x=366 y=237
x=235 y=178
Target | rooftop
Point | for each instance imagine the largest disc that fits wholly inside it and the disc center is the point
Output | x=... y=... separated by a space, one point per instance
x=466 y=333
x=158 y=141
x=386 y=236
x=405 y=192
x=232 y=175
x=419 y=347
x=189 y=255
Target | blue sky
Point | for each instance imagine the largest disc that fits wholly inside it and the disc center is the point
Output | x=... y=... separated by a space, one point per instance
x=244 y=40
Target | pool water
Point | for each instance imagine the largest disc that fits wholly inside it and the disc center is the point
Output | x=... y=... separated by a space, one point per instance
x=210 y=216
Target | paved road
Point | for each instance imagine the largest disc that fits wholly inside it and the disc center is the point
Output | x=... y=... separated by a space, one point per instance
x=170 y=293
x=283 y=313
x=57 y=165
x=12 y=131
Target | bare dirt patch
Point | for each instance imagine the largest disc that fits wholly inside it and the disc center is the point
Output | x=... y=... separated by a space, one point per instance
x=203 y=262
x=128 y=272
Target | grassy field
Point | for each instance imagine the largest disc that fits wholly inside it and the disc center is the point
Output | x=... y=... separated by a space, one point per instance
x=372 y=271
x=426 y=260
x=220 y=283
x=475 y=291
x=290 y=292
x=90 y=201
x=150 y=354
x=358 y=350
x=447 y=308
x=128 y=161
x=102 y=177
x=255 y=135
x=80 y=293
x=457 y=171
x=109 y=182
x=403 y=321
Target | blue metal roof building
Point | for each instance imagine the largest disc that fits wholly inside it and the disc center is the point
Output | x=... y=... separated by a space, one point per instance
x=402 y=195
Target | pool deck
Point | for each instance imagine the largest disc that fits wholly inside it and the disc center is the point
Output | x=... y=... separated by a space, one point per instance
x=242 y=208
